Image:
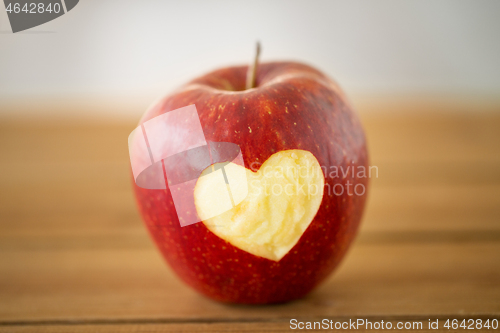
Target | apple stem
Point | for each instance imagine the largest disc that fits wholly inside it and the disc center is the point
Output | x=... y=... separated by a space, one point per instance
x=252 y=69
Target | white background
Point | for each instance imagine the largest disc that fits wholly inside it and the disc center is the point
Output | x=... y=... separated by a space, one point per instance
x=132 y=51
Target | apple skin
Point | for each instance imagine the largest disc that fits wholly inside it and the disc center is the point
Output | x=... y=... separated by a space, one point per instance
x=294 y=106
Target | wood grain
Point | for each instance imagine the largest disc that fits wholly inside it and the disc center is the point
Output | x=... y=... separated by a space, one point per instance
x=415 y=324
x=74 y=255
x=374 y=280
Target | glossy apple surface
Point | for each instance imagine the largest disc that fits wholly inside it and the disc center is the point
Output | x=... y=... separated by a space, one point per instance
x=293 y=108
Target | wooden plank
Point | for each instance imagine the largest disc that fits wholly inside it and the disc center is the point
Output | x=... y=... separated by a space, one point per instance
x=412 y=324
x=440 y=137
x=393 y=279
x=110 y=219
x=53 y=213
x=67 y=141
x=73 y=179
x=395 y=137
x=433 y=208
x=71 y=208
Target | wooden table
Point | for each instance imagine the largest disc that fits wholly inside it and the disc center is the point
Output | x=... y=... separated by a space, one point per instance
x=74 y=255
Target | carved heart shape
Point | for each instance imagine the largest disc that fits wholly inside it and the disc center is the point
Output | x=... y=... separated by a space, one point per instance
x=266 y=212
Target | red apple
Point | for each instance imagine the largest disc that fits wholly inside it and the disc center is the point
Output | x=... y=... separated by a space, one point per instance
x=272 y=247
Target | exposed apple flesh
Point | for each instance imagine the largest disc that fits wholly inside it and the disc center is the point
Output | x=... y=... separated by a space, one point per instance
x=283 y=197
